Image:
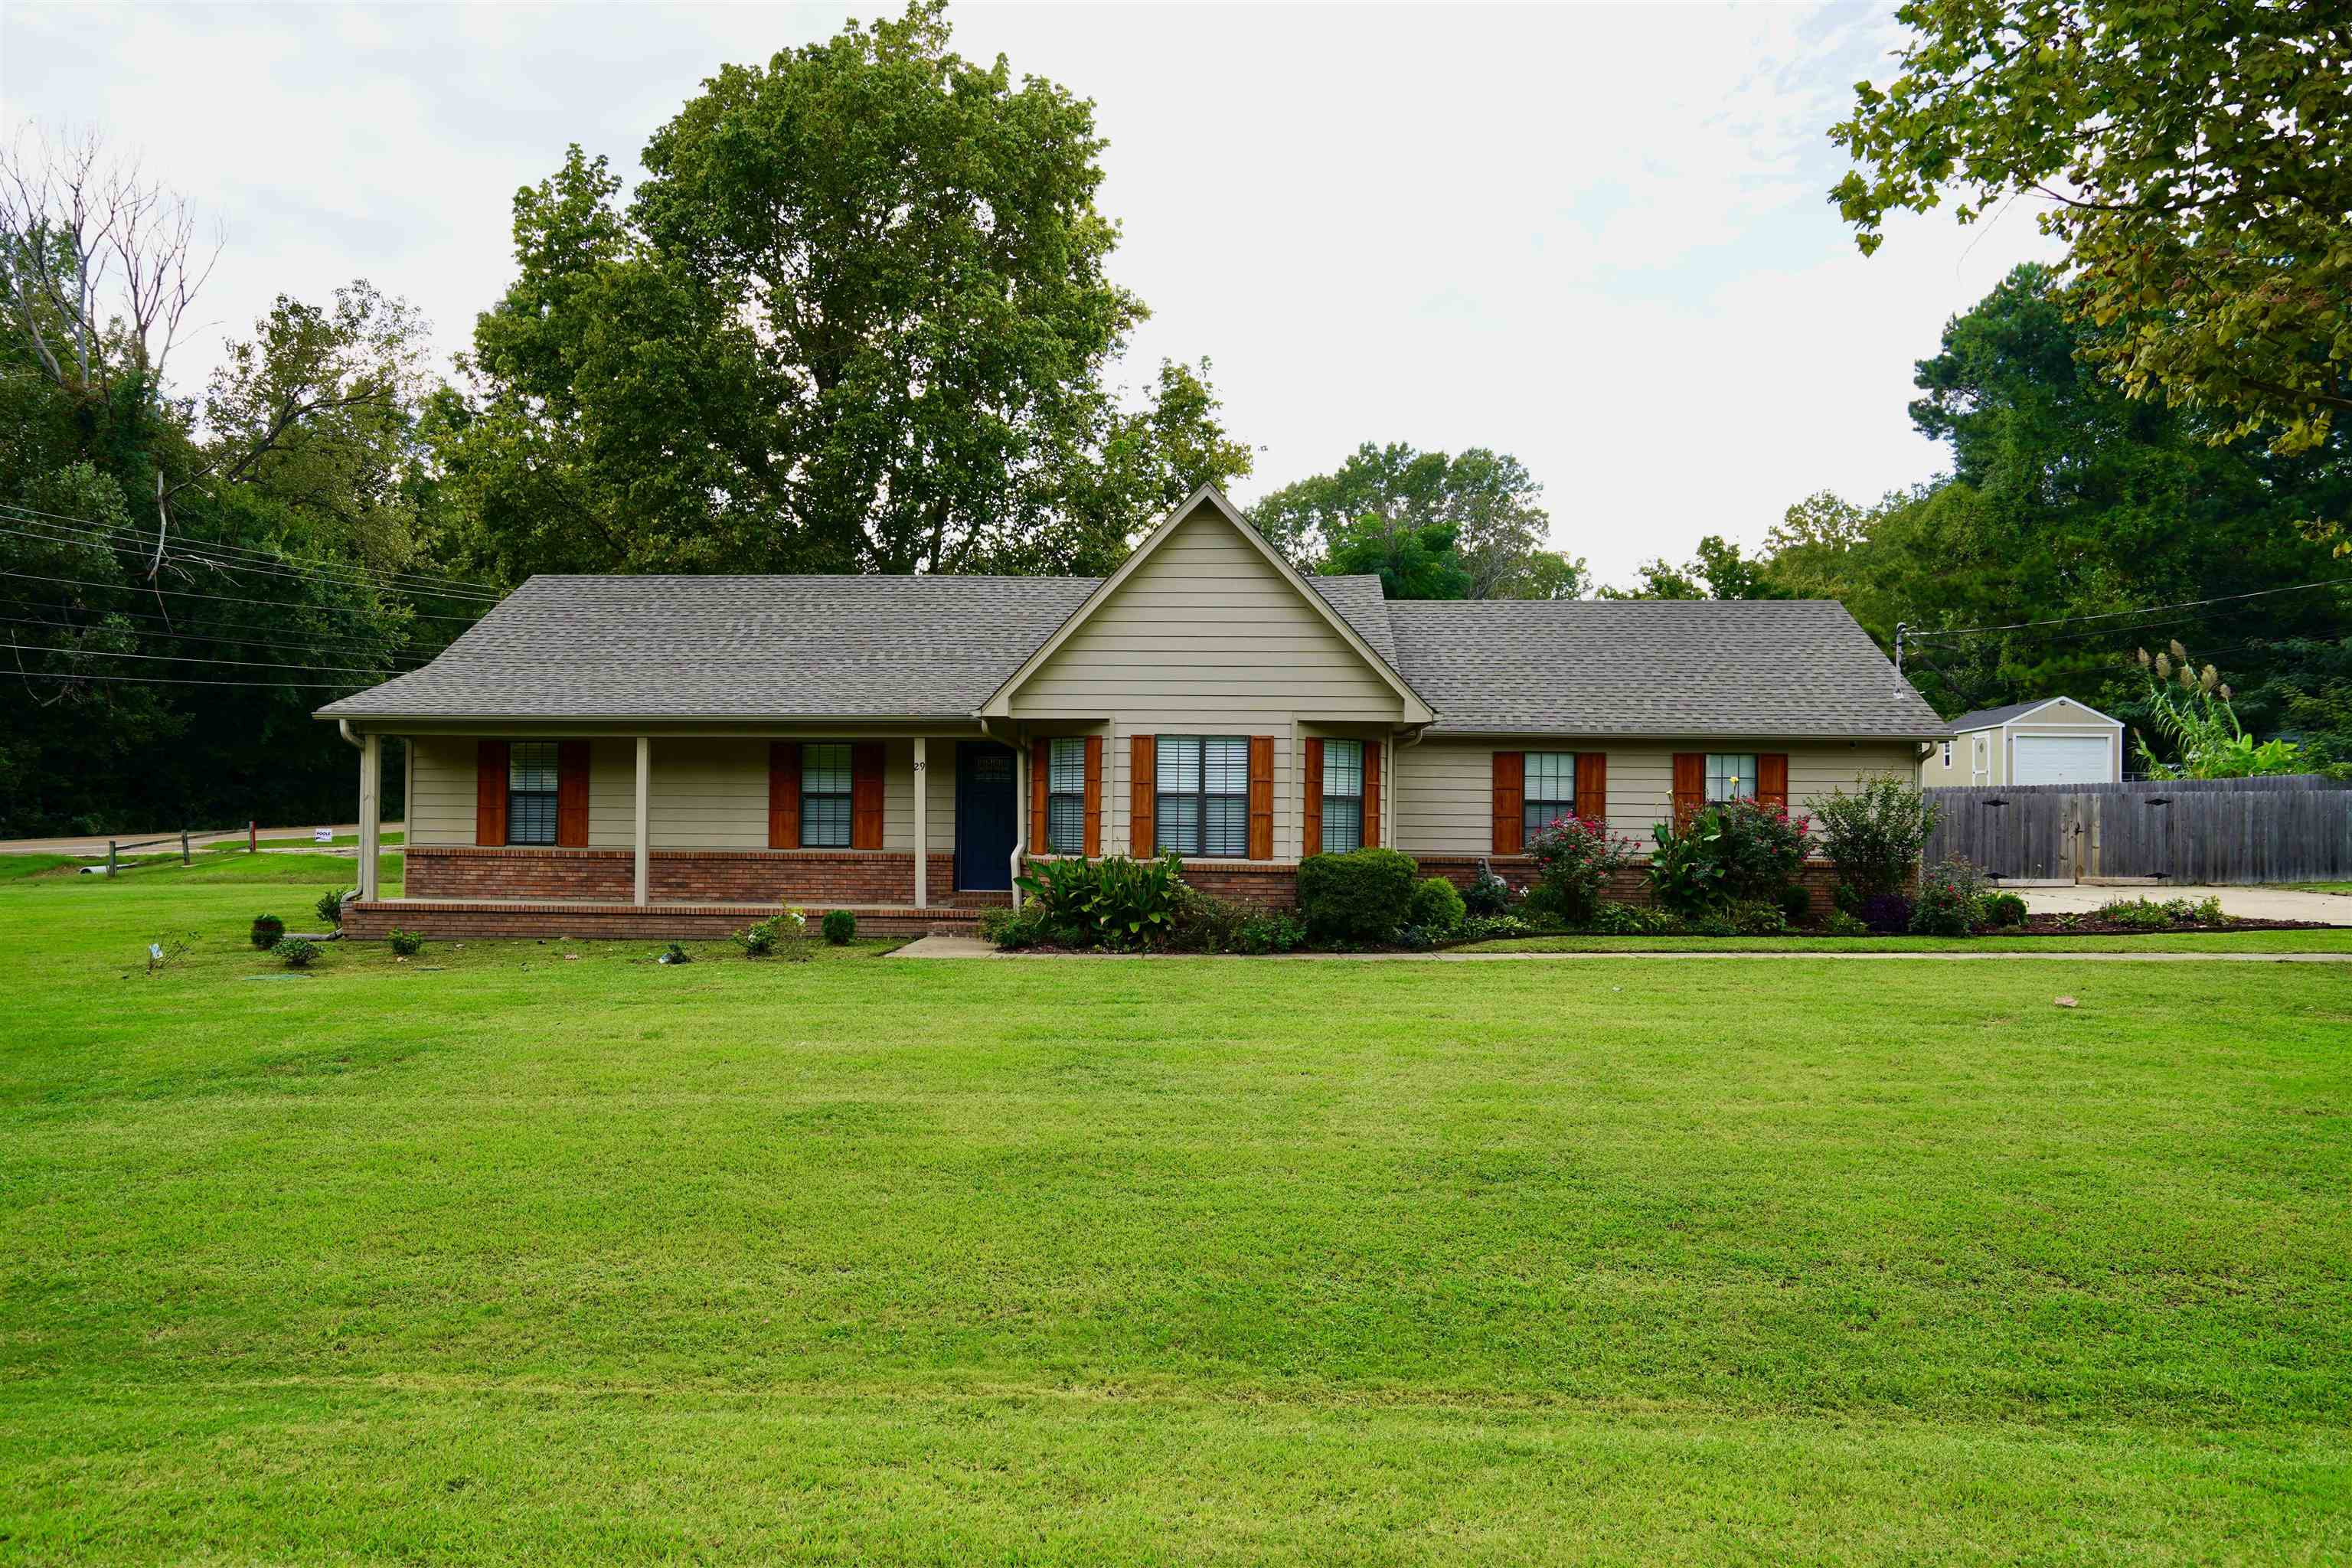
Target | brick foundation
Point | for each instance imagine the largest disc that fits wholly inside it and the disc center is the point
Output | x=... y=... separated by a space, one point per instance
x=620 y=921
x=809 y=877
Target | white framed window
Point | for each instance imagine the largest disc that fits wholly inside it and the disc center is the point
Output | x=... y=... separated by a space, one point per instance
x=824 y=796
x=1203 y=795
x=1343 y=797
x=1550 y=788
x=532 y=771
x=1731 y=775
x=1066 y=795
x=1947 y=754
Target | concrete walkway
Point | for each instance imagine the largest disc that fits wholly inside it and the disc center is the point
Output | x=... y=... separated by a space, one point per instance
x=2249 y=903
x=944 y=947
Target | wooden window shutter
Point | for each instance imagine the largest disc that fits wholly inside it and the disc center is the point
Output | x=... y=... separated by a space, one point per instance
x=490 y=791
x=866 y=795
x=572 y=794
x=1093 y=845
x=783 y=795
x=1261 y=797
x=1310 y=838
x=1142 y=793
x=1041 y=764
x=1371 y=794
x=1510 y=801
x=1690 y=786
x=1772 y=780
x=1592 y=785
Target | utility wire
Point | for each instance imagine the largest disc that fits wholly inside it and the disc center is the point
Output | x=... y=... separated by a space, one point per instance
x=340 y=649
x=184 y=681
x=191 y=659
x=2143 y=610
x=225 y=598
x=141 y=540
x=201 y=555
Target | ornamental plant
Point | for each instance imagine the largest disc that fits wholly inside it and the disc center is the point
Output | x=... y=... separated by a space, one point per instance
x=1873 y=836
x=1686 y=873
x=267 y=931
x=1363 y=895
x=1114 y=902
x=1762 y=848
x=1574 y=857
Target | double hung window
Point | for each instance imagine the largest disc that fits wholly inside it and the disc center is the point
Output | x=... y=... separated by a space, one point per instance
x=1203 y=795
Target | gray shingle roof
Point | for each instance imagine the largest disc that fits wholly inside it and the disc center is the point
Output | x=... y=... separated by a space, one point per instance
x=1986 y=718
x=757 y=648
x=1605 y=667
x=782 y=647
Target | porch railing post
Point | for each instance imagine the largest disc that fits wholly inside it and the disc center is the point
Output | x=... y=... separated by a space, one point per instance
x=645 y=817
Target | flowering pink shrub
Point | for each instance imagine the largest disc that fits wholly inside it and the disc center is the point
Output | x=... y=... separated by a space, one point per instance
x=1761 y=850
x=1573 y=857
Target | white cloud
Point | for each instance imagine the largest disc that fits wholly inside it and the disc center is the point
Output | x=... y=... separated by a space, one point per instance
x=1594 y=237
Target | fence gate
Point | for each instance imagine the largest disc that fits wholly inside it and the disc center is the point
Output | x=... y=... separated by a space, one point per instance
x=2290 y=829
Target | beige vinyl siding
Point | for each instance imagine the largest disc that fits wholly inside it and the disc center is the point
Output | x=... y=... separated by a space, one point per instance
x=706 y=793
x=1934 y=774
x=1446 y=788
x=441 y=789
x=1206 y=637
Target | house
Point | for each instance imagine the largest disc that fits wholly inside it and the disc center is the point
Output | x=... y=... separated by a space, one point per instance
x=672 y=755
x=2056 y=741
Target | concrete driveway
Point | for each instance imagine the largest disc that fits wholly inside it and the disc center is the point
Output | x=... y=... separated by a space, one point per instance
x=2251 y=903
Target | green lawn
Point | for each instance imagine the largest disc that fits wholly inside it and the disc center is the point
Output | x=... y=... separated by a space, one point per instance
x=2320 y=887
x=2332 y=940
x=495 y=1254
x=344 y=839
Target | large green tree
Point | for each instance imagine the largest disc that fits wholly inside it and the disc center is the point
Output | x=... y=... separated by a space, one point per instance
x=1384 y=502
x=2070 y=499
x=182 y=579
x=2194 y=155
x=855 y=319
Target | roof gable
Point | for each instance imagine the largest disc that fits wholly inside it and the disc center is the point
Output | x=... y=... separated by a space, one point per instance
x=1993 y=718
x=1208 y=509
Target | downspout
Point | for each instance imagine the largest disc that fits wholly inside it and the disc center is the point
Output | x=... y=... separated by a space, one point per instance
x=344 y=726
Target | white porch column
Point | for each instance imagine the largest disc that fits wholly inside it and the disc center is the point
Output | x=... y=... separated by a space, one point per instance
x=1020 y=813
x=370 y=810
x=644 y=813
x=923 y=825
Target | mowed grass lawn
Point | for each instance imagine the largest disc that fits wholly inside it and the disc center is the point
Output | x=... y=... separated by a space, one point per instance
x=498 y=1255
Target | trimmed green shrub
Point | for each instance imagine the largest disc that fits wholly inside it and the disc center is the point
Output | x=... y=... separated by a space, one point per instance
x=1574 y=859
x=1492 y=927
x=1014 y=929
x=1874 y=838
x=295 y=951
x=407 y=943
x=1206 y=923
x=1999 y=911
x=1841 y=924
x=1361 y=895
x=267 y=931
x=1436 y=908
x=840 y=927
x=1271 y=933
x=1753 y=918
x=331 y=906
x=1796 y=903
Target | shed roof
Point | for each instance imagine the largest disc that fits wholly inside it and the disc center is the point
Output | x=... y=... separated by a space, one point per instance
x=1988 y=718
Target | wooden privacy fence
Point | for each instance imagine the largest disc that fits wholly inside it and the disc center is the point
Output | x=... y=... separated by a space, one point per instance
x=2292 y=829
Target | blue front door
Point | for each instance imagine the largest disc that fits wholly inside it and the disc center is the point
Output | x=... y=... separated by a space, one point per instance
x=984 y=820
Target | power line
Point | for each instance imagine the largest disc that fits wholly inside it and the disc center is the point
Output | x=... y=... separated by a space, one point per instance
x=140 y=538
x=2143 y=610
x=251 y=642
x=134 y=542
x=184 y=681
x=192 y=659
x=345 y=649
x=200 y=553
x=226 y=598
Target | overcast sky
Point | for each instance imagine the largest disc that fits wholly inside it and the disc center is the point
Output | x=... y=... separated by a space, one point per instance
x=1593 y=236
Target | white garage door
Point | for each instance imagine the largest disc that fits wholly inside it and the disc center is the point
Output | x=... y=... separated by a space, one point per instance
x=2062 y=758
